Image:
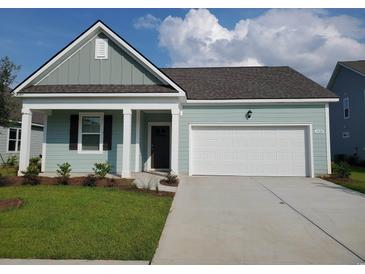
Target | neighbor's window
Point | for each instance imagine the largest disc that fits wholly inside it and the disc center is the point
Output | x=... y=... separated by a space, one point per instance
x=14 y=139
x=91 y=132
x=346 y=108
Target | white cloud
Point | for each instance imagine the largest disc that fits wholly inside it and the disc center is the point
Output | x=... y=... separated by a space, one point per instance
x=147 y=22
x=310 y=41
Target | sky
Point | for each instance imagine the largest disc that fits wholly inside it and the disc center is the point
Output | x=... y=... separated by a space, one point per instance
x=309 y=40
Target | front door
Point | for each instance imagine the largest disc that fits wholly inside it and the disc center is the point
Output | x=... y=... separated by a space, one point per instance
x=160 y=147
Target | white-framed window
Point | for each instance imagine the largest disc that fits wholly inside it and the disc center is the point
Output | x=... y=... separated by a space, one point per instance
x=101 y=48
x=346 y=108
x=14 y=137
x=91 y=126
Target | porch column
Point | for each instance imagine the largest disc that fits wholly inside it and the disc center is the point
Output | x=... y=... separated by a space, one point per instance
x=175 y=116
x=127 y=137
x=24 y=154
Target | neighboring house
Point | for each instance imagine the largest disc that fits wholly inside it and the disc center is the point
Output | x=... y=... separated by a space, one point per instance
x=10 y=142
x=348 y=116
x=105 y=101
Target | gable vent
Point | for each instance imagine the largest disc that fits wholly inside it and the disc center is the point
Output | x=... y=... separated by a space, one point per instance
x=101 y=48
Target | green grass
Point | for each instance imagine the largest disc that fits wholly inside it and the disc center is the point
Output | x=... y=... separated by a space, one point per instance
x=71 y=222
x=357 y=179
x=8 y=171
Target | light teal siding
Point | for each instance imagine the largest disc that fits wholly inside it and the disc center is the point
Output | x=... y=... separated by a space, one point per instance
x=58 y=152
x=314 y=114
x=82 y=68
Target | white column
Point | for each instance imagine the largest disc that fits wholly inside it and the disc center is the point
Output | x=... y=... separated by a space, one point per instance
x=138 y=140
x=175 y=114
x=25 y=140
x=44 y=141
x=127 y=137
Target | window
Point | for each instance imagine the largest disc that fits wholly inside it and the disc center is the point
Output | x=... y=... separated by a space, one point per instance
x=91 y=132
x=101 y=48
x=14 y=139
x=346 y=108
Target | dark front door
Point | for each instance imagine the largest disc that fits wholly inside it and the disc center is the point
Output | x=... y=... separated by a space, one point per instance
x=160 y=147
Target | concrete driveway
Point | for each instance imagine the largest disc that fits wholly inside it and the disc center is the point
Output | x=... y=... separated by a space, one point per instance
x=243 y=220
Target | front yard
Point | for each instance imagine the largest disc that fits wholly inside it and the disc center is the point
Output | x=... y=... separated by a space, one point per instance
x=356 y=180
x=75 y=222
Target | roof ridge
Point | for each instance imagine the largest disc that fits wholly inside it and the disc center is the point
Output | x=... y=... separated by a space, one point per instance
x=232 y=67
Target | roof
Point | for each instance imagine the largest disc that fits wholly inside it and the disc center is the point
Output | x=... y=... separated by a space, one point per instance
x=99 y=89
x=359 y=65
x=16 y=109
x=222 y=83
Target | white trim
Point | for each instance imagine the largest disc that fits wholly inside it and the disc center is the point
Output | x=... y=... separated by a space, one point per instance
x=328 y=139
x=127 y=139
x=175 y=133
x=263 y=101
x=16 y=140
x=101 y=132
x=101 y=94
x=44 y=143
x=97 y=28
x=346 y=99
x=308 y=126
x=137 y=167
x=149 y=141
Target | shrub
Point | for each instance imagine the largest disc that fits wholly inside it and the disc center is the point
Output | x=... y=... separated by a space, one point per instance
x=12 y=161
x=31 y=175
x=171 y=179
x=35 y=161
x=341 y=170
x=63 y=173
x=90 y=180
x=102 y=169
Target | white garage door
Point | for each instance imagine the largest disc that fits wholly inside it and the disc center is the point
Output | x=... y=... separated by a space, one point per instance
x=249 y=150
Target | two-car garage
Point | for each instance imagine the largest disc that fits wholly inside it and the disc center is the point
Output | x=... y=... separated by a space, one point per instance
x=250 y=150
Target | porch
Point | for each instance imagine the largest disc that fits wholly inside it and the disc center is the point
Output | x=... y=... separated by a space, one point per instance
x=141 y=139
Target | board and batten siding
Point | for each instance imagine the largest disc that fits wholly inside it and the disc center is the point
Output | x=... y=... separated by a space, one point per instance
x=274 y=114
x=35 y=147
x=82 y=68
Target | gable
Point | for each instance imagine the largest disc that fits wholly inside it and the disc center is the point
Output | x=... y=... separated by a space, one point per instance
x=76 y=65
x=82 y=68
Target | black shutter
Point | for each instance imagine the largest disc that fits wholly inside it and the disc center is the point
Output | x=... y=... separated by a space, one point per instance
x=74 y=132
x=107 y=137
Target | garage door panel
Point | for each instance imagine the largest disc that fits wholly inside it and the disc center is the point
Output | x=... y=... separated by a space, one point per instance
x=251 y=151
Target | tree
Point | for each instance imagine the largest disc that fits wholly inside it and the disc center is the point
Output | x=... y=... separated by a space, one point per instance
x=8 y=73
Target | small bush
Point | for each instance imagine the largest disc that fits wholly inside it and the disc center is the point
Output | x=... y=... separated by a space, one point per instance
x=90 y=180
x=102 y=169
x=36 y=161
x=63 y=173
x=31 y=175
x=171 y=179
x=12 y=161
x=341 y=170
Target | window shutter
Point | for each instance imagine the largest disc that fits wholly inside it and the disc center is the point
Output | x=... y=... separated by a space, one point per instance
x=101 y=48
x=74 y=130
x=107 y=137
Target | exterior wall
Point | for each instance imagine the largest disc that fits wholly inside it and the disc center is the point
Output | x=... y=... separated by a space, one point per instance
x=82 y=68
x=35 y=147
x=276 y=114
x=352 y=85
x=57 y=148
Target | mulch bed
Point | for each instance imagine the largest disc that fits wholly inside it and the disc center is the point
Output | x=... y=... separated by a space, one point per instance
x=338 y=180
x=10 y=203
x=163 y=182
x=120 y=183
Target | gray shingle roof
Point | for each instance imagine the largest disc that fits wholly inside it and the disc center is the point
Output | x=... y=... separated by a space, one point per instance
x=355 y=65
x=246 y=83
x=216 y=83
x=99 y=89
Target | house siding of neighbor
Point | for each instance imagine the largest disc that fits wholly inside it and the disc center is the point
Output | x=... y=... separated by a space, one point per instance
x=253 y=118
x=348 y=134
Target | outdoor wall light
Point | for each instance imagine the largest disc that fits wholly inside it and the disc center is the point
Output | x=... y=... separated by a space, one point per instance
x=249 y=115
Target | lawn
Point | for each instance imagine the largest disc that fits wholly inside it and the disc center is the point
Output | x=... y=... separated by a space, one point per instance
x=75 y=222
x=357 y=179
